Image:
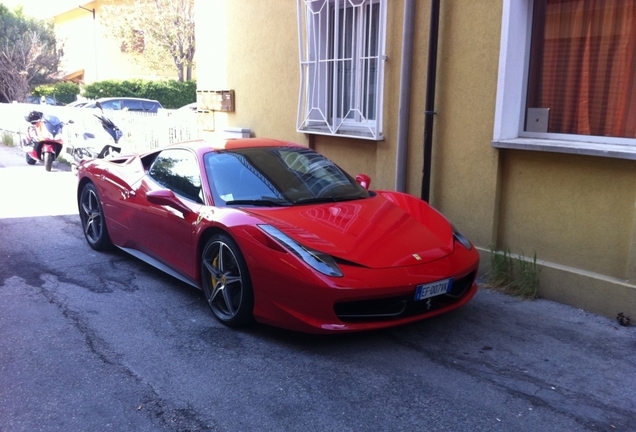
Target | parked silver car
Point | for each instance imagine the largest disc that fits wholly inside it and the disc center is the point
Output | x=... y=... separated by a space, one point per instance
x=126 y=103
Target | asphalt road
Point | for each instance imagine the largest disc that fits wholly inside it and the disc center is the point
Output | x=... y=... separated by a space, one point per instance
x=102 y=342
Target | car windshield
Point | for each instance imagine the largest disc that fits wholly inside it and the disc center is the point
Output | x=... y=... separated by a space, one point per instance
x=277 y=176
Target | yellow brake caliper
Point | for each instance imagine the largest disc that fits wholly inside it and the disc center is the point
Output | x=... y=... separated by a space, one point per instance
x=214 y=264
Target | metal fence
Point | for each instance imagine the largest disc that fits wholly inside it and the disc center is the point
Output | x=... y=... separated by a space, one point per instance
x=141 y=131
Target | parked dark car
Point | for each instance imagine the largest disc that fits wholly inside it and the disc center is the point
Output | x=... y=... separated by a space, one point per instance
x=48 y=100
x=126 y=103
x=77 y=104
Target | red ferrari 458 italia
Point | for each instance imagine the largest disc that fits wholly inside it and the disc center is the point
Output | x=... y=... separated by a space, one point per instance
x=275 y=232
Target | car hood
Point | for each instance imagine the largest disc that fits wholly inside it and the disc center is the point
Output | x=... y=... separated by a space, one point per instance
x=387 y=230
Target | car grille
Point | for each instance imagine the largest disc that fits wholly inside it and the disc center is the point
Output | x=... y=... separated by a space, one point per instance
x=388 y=308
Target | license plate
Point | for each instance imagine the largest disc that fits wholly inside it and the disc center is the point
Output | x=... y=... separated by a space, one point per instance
x=433 y=289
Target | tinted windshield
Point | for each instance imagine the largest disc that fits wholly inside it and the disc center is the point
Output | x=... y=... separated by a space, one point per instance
x=52 y=124
x=277 y=176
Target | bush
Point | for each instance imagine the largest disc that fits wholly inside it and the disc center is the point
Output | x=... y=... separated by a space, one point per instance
x=64 y=92
x=171 y=93
x=7 y=139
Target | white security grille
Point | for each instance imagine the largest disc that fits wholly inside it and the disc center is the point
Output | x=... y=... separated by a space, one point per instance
x=341 y=45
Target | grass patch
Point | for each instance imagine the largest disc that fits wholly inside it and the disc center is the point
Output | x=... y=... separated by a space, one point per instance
x=517 y=276
x=7 y=139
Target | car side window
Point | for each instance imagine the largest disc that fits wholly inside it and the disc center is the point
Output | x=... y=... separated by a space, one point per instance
x=150 y=106
x=133 y=105
x=178 y=170
x=112 y=105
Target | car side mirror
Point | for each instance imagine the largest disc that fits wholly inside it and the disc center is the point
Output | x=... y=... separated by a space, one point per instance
x=166 y=197
x=364 y=180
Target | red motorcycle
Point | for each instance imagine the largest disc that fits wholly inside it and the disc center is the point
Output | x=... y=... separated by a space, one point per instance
x=44 y=140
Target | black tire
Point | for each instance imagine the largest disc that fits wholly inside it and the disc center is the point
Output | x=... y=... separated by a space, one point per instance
x=29 y=159
x=226 y=282
x=48 y=160
x=93 y=221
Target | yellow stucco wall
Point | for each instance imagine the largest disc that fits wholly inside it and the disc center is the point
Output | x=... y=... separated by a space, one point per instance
x=75 y=30
x=264 y=68
x=464 y=163
x=570 y=209
x=575 y=212
x=254 y=51
x=88 y=45
x=256 y=55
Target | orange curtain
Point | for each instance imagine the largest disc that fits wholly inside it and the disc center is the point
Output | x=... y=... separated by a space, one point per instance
x=583 y=66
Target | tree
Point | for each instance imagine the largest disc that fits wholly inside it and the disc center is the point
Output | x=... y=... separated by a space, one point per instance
x=28 y=53
x=160 y=32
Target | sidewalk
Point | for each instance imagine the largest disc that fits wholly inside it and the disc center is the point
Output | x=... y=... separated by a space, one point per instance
x=53 y=193
x=569 y=361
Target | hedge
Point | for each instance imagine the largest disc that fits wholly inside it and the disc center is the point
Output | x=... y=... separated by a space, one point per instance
x=64 y=92
x=171 y=94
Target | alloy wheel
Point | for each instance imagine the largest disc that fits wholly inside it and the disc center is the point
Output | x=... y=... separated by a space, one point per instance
x=225 y=282
x=92 y=216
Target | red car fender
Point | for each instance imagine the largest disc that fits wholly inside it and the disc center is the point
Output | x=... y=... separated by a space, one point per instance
x=226 y=220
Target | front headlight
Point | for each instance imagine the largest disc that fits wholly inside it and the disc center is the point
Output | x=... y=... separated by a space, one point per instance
x=319 y=261
x=459 y=237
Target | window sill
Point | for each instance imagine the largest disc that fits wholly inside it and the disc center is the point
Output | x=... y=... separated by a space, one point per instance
x=616 y=151
x=342 y=132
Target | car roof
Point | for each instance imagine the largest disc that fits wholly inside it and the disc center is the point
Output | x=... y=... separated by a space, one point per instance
x=203 y=146
x=189 y=107
x=147 y=105
x=106 y=99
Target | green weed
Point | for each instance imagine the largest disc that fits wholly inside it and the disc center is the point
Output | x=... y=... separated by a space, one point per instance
x=528 y=283
x=502 y=268
x=517 y=276
x=7 y=139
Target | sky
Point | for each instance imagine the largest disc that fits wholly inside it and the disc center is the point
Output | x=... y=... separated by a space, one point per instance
x=43 y=8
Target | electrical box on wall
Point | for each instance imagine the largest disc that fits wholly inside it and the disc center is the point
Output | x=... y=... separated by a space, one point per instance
x=205 y=120
x=215 y=100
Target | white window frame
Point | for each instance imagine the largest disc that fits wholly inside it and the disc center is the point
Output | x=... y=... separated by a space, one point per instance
x=514 y=55
x=319 y=96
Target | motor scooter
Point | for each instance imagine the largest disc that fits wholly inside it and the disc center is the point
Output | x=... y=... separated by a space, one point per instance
x=44 y=140
x=92 y=148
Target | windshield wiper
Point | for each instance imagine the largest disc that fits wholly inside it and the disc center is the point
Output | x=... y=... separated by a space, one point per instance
x=328 y=199
x=263 y=202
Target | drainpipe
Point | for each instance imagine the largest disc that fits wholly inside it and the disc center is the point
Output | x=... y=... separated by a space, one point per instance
x=404 y=111
x=430 y=100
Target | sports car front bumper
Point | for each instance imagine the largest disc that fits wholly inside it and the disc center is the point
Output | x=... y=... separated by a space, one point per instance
x=290 y=294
